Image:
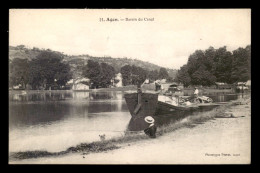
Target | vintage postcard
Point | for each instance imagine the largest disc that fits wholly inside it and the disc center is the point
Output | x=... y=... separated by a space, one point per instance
x=129 y=86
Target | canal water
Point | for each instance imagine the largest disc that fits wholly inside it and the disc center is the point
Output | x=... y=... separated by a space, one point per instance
x=56 y=120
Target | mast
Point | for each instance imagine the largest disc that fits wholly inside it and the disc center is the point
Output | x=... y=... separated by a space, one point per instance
x=139 y=99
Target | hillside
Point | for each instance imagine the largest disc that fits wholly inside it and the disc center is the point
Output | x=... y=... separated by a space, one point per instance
x=25 y=53
x=76 y=62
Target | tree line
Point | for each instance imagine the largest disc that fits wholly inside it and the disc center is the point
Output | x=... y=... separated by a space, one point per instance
x=133 y=75
x=216 y=65
x=45 y=71
x=100 y=75
x=48 y=70
x=103 y=75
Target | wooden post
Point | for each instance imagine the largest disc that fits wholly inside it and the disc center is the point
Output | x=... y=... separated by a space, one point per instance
x=242 y=91
x=139 y=99
x=139 y=91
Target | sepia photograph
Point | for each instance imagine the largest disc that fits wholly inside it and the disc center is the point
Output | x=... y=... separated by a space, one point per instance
x=129 y=86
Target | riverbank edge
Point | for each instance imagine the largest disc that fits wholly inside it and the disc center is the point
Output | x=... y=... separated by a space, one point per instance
x=115 y=143
x=124 y=88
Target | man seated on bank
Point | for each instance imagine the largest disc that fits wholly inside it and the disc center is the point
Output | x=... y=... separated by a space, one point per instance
x=151 y=130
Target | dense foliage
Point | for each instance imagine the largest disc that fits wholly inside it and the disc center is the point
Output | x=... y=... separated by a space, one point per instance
x=77 y=62
x=45 y=71
x=132 y=75
x=100 y=75
x=216 y=65
x=42 y=69
x=19 y=72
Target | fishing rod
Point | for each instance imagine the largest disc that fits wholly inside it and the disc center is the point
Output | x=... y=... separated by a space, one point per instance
x=113 y=131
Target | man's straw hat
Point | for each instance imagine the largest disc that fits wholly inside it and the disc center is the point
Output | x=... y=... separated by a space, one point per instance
x=149 y=119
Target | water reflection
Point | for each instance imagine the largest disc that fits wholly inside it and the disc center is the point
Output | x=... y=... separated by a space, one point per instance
x=80 y=95
x=60 y=135
x=54 y=121
x=34 y=108
x=48 y=96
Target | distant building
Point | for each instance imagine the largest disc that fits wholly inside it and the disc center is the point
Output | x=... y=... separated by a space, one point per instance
x=79 y=84
x=161 y=85
x=248 y=83
x=221 y=85
x=243 y=85
x=70 y=81
x=166 y=86
x=153 y=86
x=17 y=86
x=119 y=77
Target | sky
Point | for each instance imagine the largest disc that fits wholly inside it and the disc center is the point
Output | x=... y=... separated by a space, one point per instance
x=166 y=39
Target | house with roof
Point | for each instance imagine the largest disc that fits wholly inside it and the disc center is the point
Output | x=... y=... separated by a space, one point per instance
x=248 y=84
x=119 y=78
x=79 y=84
x=221 y=85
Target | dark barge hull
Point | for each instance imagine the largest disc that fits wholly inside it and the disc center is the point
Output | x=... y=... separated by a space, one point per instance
x=148 y=108
x=161 y=106
x=160 y=111
x=168 y=109
x=152 y=107
x=148 y=103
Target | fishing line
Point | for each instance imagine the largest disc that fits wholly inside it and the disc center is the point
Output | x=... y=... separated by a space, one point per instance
x=112 y=131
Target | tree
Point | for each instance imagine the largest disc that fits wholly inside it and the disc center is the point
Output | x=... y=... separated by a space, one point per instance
x=19 y=72
x=47 y=69
x=248 y=55
x=241 y=65
x=195 y=61
x=36 y=75
x=163 y=74
x=107 y=75
x=211 y=65
x=100 y=75
x=133 y=75
x=126 y=72
x=63 y=74
x=223 y=65
x=21 y=46
x=208 y=60
x=183 y=76
x=153 y=75
x=203 y=77
x=138 y=75
x=92 y=71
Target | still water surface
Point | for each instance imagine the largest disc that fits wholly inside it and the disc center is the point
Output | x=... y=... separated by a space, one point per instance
x=55 y=121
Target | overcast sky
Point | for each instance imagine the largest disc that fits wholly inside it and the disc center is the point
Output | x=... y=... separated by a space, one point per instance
x=167 y=41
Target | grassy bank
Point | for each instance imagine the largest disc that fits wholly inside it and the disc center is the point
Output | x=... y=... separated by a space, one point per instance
x=115 y=143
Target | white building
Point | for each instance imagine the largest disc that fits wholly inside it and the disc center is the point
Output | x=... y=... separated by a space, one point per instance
x=248 y=83
x=119 y=77
x=77 y=84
